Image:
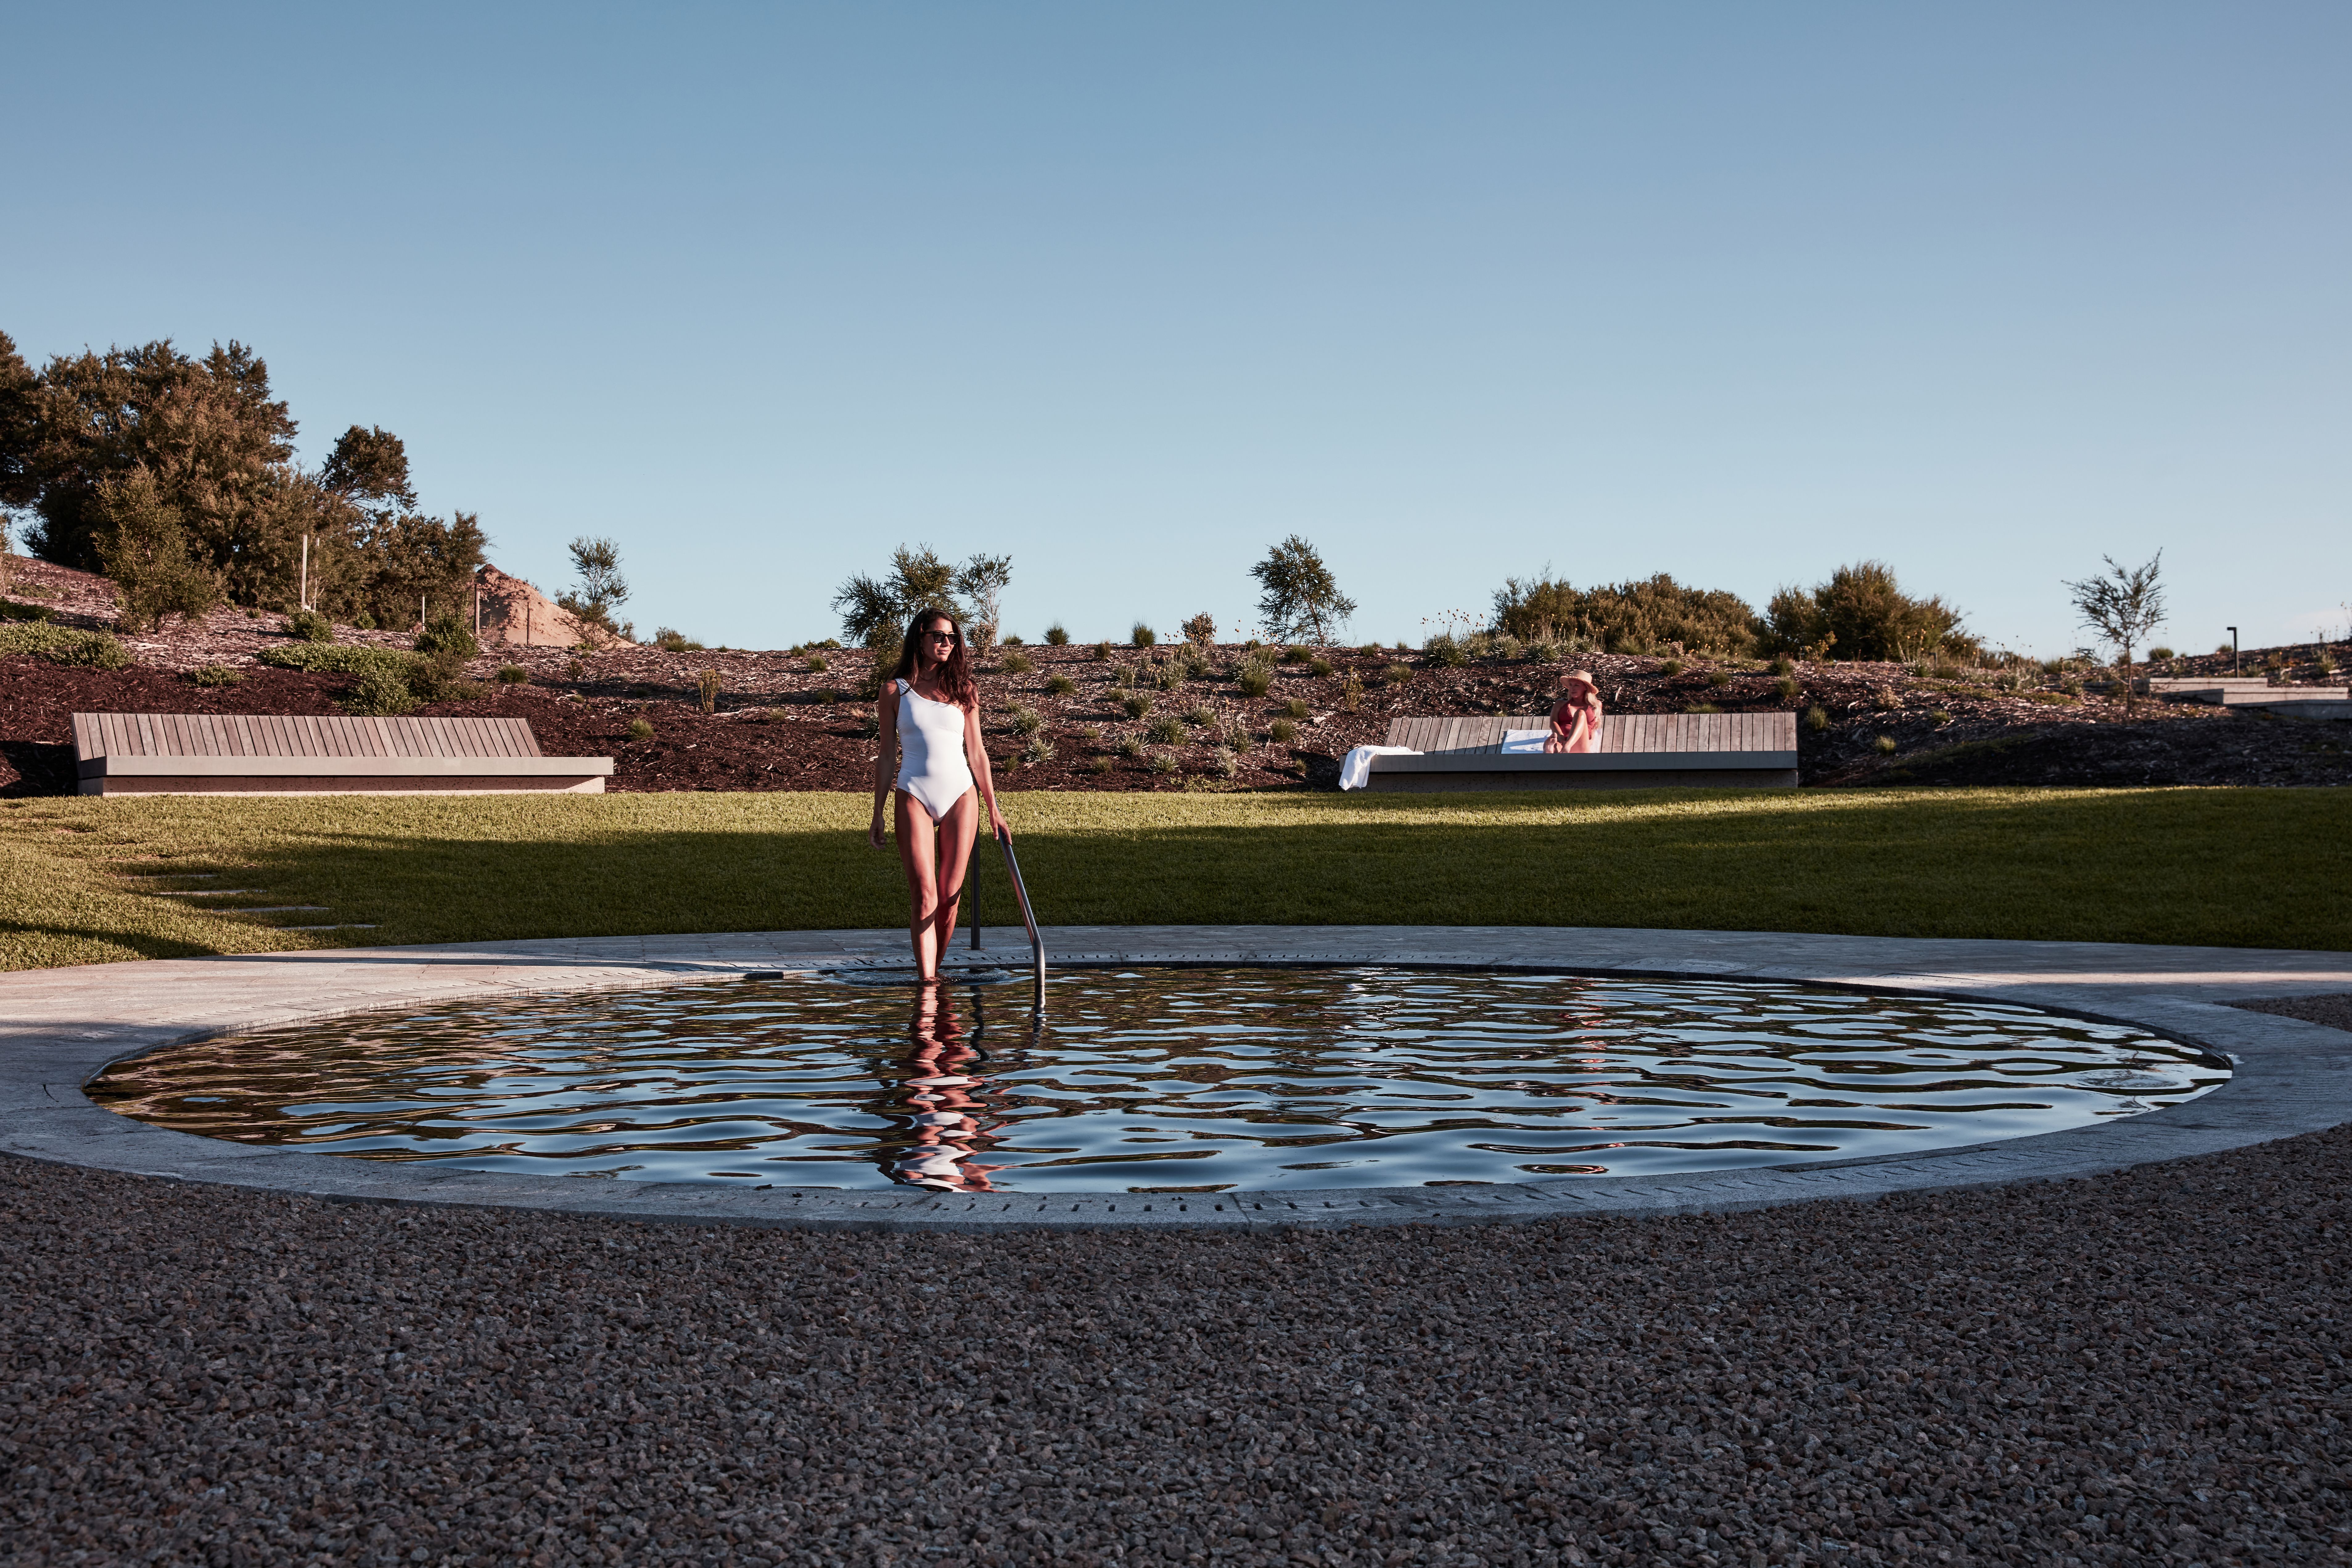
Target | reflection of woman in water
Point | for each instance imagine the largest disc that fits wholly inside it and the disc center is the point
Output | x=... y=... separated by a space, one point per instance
x=942 y=1103
x=929 y=714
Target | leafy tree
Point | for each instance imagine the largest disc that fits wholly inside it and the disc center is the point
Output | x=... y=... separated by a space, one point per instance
x=979 y=583
x=2123 y=607
x=1628 y=617
x=1862 y=613
x=875 y=610
x=1298 y=596
x=369 y=464
x=602 y=586
x=207 y=430
x=20 y=421
x=143 y=545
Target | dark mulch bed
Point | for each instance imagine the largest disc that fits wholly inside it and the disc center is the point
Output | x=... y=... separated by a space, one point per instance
x=2147 y=1368
x=794 y=721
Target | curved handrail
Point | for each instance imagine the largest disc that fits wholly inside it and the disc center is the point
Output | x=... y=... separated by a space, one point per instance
x=1028 y=918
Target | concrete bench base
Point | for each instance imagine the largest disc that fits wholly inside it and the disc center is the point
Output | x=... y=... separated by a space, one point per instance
x=318 y=783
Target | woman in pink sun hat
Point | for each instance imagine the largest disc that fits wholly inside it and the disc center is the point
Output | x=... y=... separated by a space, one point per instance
x=1575 y=718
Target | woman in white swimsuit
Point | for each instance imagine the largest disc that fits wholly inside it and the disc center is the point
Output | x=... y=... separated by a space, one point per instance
x=931 y=730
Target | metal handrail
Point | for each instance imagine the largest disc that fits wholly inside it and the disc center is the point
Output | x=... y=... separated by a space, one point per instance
x=1028 y=918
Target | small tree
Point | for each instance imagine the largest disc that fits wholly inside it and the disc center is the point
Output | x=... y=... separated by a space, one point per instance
x=143 y=545
x=1298 y=596
x=602 y=586
x=981 y=583
x=874 y=608
x=2123 y=607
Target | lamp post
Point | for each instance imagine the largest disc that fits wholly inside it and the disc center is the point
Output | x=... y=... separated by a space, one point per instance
x=2234 y=650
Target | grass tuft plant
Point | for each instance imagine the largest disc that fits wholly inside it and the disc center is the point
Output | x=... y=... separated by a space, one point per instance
x=1296 y=707
x=215 y=675
x=309 y=626
x=1136 y=704
x=1061 y=685
x=1785 y=689
x=1057 y=634
x=1016 y=662
x=512 y=675
x=1319 y=668
x=1142 y=636
x=1281 y=731
x=640 y=730
x=1886 y=745
x=1817 y=719
x=1167 y=729
x=1397 y=674
x=1026 y=720
x=1255 y=679
x=1040 y=749
x=1200 y=715
x=1131 y=746
x=706 y=690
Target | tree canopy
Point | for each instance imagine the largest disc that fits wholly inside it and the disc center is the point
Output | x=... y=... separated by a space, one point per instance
x=129 y=455
x=1297 y=596
x=1862 y=613
x=1628 y=617
x=875 y=610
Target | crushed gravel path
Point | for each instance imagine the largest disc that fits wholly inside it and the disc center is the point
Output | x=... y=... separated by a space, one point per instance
x=2150 y=1368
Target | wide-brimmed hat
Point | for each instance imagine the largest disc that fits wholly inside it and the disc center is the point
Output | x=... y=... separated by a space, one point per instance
x=1583 y=676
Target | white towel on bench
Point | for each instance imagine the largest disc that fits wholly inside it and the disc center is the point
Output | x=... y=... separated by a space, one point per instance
x=1525 y=739
x=1355 y=767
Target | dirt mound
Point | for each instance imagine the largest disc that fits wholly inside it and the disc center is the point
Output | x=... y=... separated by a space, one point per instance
x=515 y=614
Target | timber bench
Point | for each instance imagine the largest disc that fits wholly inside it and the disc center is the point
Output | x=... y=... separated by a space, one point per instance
x=1638 y=751
x=244 y=753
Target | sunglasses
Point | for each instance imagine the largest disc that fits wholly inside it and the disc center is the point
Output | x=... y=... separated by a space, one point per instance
x=939 y=635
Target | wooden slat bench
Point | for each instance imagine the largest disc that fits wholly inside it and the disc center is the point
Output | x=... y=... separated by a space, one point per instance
x=243 y=754
x=1638 y=751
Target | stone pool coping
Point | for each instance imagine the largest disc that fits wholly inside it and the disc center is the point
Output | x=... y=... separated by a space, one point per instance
x=59 y=1028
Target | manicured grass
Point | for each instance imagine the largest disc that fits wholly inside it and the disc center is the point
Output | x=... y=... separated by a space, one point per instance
x=2238 y=868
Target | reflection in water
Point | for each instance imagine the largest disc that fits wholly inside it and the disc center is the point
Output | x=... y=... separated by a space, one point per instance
x=1173 y=1080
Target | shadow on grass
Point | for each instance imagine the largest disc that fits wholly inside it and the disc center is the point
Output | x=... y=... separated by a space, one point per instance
x=2233 y=869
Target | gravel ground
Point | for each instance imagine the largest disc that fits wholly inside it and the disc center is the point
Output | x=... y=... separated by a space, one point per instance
x=2149 y=1368
x=2334 y=1012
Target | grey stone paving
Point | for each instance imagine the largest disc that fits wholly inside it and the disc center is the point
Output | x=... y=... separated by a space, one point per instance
x=59 y=1028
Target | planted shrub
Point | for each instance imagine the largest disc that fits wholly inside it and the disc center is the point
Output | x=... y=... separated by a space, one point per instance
x=1507 y=647
x=1781 y=666
x=1622 y=617
x=1136 y=704
x=1056 y=634
x=1397 y=674
x=1121 y=677
x=670 y=639
x=1351 y=696
x=1294 y=654
x=1281 y=731
x=1026 y=721
x=1817 y=719
x=1718 y=678
x=816 y=664
x=339 y=658
x=309 y=626
x=1672 y=666
x=448 y=637
x=1941 y=715
x=1012 y=641
x=381 y=692
x=1102 y=650
x=1164 y=763
x=574 y=670
x=1224 y=763
x=1442 y=649
x=10 y=610
x=1370 y=650
x=1100 y=764
x=1061 y=685
x=1296 y=707
x=1143 y=636
x=1885 y=744
x=2160 y=655
x=1319 y=668
x=1016 y=662
x=1167 y=729
x=1040 y=749
x=1201 y=629
x=640 y=730
x=1091 y=734
x=706 y=690
x=215 y=675
x=1169 y=676
x=512 y=675
x=1862 y=613
x=1131 y=746
x=64 y=645
x=1785 y=689
x=1254 y=679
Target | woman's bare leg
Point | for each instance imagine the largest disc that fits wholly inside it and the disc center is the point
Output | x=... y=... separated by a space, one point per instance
x=957 y=830
x=935 y=855
x=918 y=853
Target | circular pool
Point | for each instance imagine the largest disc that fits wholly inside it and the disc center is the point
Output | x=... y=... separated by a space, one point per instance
x=1164 y=1080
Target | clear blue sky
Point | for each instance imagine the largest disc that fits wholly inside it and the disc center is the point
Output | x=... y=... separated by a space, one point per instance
x=1131 y=292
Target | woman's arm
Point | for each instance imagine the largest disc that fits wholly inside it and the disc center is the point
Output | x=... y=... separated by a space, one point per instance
x=886 y=761
x=975 y=753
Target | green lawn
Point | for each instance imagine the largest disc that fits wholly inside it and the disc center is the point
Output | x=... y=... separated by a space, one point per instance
x=2240 y=868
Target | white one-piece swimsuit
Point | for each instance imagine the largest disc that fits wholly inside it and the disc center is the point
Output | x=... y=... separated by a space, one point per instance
x=931 y=765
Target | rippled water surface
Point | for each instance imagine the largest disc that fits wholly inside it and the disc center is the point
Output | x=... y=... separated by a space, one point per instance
x=1163 y=1080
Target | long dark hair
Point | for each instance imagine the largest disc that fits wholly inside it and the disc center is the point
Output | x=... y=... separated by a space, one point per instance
x=954 y=672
